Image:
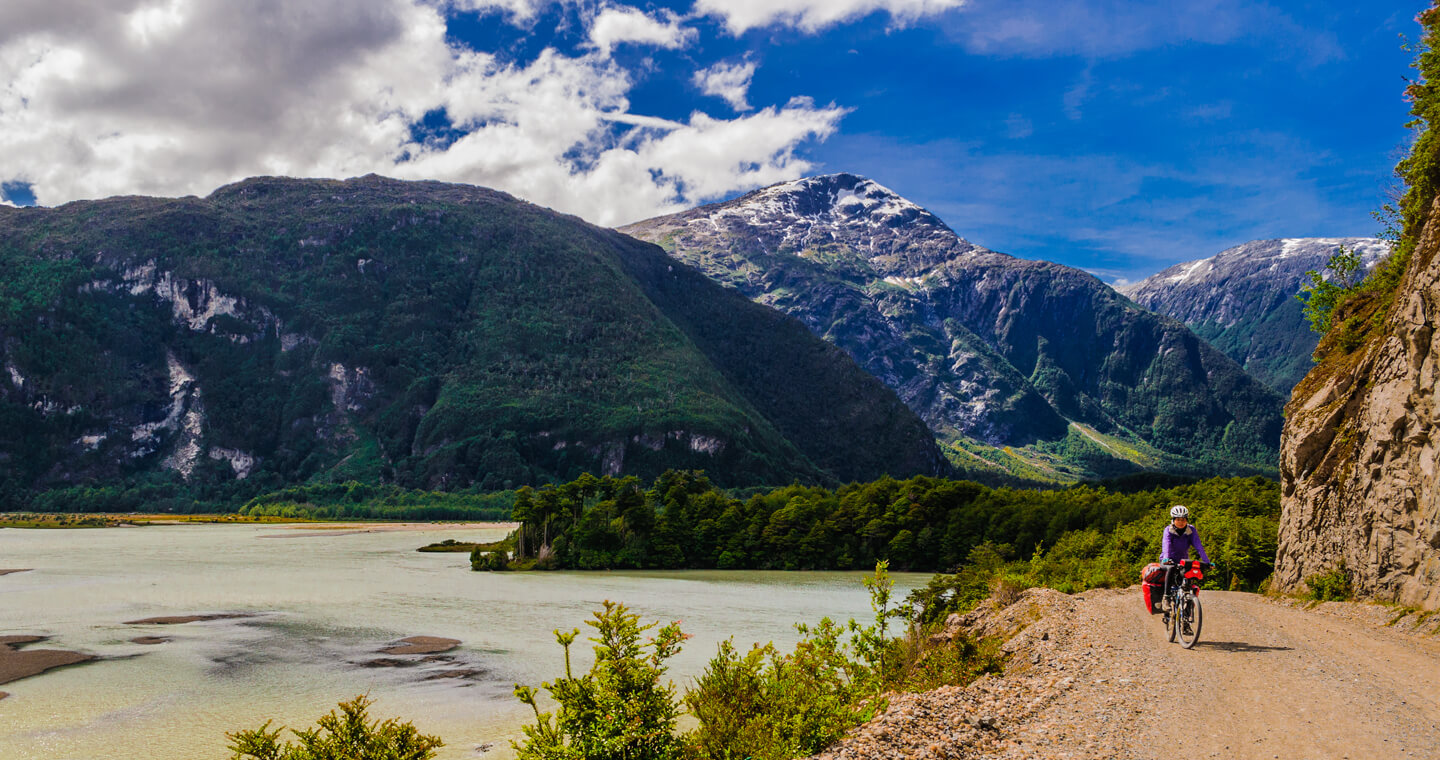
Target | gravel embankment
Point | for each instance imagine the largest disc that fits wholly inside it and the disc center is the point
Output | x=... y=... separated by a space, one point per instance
x=1092 y=676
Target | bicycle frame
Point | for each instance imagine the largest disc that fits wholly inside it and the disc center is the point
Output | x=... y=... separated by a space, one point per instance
x=1182 y=597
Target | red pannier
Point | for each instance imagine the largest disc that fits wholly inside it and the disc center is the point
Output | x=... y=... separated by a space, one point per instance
x=1152 y=583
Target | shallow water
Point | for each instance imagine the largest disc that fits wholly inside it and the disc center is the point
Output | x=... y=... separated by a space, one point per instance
x=323 y=603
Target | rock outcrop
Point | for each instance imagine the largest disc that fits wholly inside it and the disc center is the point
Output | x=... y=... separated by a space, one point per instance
x=1360 y=448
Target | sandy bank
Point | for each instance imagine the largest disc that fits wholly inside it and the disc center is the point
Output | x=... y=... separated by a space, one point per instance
x=312 y=530
x=19 y=570
x=181 y=619
x=422 y=645
x=16 y=663
x=149 y=640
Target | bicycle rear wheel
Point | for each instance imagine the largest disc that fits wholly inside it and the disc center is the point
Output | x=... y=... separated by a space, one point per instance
x=1188 y=619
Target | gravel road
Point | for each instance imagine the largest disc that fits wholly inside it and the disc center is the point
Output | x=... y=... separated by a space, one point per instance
x=1092 y=676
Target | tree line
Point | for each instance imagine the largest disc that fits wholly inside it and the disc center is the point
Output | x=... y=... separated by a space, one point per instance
x=682 y=520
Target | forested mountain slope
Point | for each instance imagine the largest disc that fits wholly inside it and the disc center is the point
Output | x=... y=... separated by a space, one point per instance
x=1019 y=366
x=432 y=335
x=1242 y=300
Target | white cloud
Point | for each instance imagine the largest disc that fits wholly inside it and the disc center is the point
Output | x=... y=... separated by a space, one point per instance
x=517 y=10
x=1115 y=28
x=728 y=81
x=619 y=24
x=814 y=15
x=175 y=97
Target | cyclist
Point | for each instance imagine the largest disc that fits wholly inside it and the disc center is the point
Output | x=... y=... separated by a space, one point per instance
x=1176 y=541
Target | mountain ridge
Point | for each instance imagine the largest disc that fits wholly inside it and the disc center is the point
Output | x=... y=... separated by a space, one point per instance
x=988 y=348
x=1242 y=300
x=434 y=335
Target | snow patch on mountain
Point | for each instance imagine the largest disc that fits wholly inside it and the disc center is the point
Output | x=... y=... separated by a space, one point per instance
x=1243 y=299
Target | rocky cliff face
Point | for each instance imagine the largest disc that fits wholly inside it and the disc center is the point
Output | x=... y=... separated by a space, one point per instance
x=1027 y=366
x=1242 y=300
x=1361 y=450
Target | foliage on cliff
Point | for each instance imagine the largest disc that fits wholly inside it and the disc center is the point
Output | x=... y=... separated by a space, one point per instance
x=683 y=521
x=1348 y=313
x=1420 y=171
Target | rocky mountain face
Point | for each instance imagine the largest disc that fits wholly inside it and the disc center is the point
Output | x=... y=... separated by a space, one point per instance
x=1360 y=457
x=1242 y=300
x=1024 y=367
x=437 y=336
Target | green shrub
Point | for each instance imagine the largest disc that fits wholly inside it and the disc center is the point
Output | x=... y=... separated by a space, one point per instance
x=1330 y=586
x=622 y=709
x=346 y=735
x=1322 y=296
x=768 y=706
x=489 y=560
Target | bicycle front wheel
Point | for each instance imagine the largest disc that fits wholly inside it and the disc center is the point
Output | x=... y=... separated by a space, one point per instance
x=1172 y=620
x=1188 y=619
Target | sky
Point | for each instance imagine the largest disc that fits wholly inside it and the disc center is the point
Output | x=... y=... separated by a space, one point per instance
x=1119 y=136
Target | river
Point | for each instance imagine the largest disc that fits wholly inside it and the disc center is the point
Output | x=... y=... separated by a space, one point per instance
x=322 y=601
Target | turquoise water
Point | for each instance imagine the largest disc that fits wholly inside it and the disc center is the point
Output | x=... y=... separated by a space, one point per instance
x=322 y=603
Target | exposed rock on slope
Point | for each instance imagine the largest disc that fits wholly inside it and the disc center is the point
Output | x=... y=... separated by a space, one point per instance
x=1242 y=300
x=1360 y=457
x=439 y=336
x=1028 y=366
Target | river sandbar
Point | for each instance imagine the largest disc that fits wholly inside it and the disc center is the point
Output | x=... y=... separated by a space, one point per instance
x=422 y=645
x=16 y=663
x=182 y=619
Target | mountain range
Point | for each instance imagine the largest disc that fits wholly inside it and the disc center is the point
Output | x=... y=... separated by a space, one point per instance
x=1242 y=300
x=1022 y=367
x=438 y=336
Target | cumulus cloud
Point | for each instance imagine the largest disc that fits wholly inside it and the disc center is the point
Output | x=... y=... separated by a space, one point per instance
x=728 y=81
x=814 y=15
x=620 y=24
x=173 y=97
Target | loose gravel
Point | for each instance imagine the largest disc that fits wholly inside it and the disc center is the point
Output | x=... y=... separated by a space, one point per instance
x=1092 y=676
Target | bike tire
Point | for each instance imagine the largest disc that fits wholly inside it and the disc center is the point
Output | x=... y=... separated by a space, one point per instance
x=1174 y=627
x=1191 y=609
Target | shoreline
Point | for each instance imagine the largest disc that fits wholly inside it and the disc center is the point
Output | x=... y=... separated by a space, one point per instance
x=97 y=520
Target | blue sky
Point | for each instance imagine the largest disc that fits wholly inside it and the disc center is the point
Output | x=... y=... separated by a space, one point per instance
x=1111 y=135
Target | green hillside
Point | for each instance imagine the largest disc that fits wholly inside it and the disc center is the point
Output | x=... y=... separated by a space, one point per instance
x=428 y=335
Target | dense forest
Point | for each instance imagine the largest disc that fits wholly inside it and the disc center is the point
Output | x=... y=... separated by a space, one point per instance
x=682 y=520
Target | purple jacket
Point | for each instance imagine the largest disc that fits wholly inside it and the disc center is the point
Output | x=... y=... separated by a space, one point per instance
x=1176 y=545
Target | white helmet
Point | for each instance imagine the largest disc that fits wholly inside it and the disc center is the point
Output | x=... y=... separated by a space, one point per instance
x=1179 y=510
